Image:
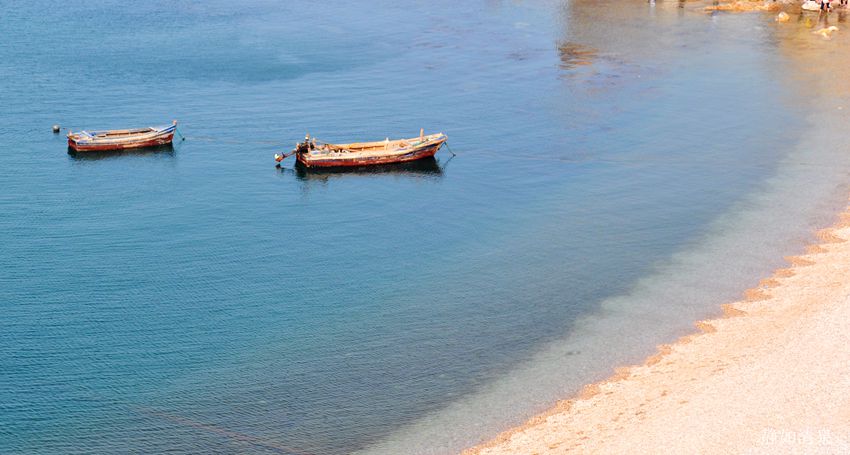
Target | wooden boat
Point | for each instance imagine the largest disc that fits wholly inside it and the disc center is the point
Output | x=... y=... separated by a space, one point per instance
x=315 y=154
x=83 y=141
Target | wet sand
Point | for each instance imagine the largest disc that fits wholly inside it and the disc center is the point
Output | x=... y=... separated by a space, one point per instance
x=771 y=376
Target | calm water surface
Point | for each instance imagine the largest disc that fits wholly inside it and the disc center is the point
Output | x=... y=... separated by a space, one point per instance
x=200 y=300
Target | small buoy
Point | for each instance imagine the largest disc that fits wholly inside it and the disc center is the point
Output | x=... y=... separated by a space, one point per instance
x=55 y=128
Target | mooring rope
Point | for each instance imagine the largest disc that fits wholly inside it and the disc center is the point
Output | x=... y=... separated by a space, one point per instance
x=449 y=148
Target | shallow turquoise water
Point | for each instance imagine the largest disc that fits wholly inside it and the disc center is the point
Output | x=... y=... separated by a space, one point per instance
x=200 y=300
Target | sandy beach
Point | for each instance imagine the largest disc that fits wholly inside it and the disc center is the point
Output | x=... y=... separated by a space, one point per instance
x=771 y=376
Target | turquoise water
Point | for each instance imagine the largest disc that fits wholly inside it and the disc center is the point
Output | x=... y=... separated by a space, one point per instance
x=200 y=300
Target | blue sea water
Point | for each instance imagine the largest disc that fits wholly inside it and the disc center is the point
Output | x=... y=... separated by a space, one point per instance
x=199 y=300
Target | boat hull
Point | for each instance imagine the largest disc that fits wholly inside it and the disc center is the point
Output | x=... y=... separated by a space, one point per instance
x=419 y=153
x=99 y=147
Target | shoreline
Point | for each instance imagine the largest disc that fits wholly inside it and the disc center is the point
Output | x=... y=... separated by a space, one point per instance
x=767 y=375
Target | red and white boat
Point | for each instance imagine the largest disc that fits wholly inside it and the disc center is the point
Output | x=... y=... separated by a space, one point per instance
x=85 y=141
x=314 y=153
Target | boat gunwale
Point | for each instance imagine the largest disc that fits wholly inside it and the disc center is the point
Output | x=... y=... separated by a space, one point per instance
x=120 y=136
x=361 y=149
